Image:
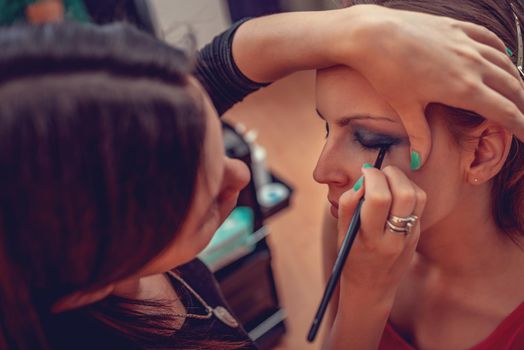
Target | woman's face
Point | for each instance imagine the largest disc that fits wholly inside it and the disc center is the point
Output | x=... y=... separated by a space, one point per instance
x=358 y=122
x=220 y=180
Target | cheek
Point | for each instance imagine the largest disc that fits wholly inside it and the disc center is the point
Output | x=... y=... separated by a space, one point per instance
x=397 y=156
x=440 y=178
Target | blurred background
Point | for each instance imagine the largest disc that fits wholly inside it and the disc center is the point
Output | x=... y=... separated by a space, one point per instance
x=283 y=118
x=210 y=17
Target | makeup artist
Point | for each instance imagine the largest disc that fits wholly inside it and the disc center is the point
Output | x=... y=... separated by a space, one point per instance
x=114 y=172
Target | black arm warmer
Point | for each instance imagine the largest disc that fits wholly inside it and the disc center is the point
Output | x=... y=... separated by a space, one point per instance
x=218 y=73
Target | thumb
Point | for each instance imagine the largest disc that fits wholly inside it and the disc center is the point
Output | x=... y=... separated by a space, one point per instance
x=419 y=134
x=346 y=207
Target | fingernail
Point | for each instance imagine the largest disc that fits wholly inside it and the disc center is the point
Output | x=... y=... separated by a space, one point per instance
x=415 y=160
x=358 y=184
x=367 y=166
x=509 y=52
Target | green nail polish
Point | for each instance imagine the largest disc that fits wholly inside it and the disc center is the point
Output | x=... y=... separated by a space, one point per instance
x=415 y=160
x=358 y=184
x=367 y=166
x=509 y=52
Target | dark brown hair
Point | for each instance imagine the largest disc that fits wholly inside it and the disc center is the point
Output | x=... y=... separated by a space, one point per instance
x=100 y=144
x=497 y=16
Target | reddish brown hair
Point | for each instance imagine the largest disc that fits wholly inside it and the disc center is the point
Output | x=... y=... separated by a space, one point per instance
x=497 y=16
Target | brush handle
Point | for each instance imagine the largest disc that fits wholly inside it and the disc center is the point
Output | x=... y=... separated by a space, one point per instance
x=337 y=271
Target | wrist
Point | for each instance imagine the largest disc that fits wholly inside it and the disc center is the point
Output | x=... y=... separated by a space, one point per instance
x=359 y=322
x=370 y=312
x=341 y=42
x=379 y=298
x=269 y=48
x=364 y=29
x=349 y=309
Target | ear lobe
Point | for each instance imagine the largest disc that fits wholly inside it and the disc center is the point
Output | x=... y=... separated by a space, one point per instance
x=79 y=299
x=492 y=146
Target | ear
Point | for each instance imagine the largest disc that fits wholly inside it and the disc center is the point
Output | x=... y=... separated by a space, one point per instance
x=487 y=151
x=79 y=299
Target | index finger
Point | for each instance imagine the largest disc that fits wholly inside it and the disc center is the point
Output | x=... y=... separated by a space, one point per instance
x=377 y=204
x=419 y=134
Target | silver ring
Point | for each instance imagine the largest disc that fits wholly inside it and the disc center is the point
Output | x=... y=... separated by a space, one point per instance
x=397 y=224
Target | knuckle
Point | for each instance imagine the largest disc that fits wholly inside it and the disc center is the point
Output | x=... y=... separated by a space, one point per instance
x=389 y=170
x=454 y=24
x=468 y=87
x=369 y=243
x=511 y=114
x=382 y=199
x=475 y=58
x=468 y=55
x=405 y=196
x=393 y=249
x=495 y=40
x=511 y=66
x=422 y=197
x=345 y=199
x=488 y=33
x=515 y=87
x=393 y=171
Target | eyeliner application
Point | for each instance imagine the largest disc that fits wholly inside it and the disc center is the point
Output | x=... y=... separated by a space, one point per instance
x=375 y=140
x=343 y=253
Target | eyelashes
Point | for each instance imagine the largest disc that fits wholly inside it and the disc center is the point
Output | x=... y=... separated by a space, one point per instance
x=373 y=147
x=370 y=140
x=373 y=141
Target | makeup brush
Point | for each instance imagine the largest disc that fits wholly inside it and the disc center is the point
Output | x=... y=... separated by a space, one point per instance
x=341 y=258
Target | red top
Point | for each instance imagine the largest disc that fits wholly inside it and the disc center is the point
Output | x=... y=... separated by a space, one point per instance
x=509 y=335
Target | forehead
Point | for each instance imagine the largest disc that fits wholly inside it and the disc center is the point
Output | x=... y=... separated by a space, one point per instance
x=341 y=91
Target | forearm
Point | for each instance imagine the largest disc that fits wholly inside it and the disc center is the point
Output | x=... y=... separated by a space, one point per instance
x=262 y=50
x=219 y=75
x=269 y=48
x=359 y=323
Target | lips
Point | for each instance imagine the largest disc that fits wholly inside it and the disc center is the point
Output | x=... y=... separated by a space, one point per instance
x=334 y=208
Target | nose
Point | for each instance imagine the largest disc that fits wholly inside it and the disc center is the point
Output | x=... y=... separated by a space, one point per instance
x=328 y=169
x=236 y=176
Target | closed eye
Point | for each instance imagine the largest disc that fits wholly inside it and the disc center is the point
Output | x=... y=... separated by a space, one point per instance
x=373 y=141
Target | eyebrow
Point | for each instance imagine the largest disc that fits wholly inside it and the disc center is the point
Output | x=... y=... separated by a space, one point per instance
x=344 y=121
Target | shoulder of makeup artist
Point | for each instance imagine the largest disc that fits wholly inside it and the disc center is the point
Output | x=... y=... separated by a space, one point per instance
x=246 y=57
